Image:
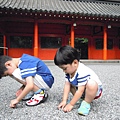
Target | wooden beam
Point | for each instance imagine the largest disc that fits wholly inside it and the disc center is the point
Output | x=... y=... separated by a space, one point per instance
x=59 y=20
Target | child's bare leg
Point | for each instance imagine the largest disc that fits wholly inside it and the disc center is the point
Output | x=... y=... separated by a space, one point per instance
x=20 y=90
x=91 y=90
x=90 y=93
x=72 y=89
x=35 y=88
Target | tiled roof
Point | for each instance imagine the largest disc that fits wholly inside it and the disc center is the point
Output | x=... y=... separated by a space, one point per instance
x=90 y=8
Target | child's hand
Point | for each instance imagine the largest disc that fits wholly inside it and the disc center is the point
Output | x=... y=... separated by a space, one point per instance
x=13 y=103
x=68 y=108
x=62 y=105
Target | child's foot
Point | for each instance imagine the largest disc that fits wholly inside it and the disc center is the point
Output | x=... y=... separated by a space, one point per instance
x=84 y=108
x=37 y=98
x=28 y=96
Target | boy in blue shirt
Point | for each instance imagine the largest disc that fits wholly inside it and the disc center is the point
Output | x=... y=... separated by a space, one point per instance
x=80 y=80
x=32 y=73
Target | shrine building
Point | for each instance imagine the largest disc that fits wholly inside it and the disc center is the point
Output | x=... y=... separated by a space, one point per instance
x=40 y=27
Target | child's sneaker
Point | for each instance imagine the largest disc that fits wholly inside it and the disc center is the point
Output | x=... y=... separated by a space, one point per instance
x=84 y=108
x=28 y=96
x=37 y=98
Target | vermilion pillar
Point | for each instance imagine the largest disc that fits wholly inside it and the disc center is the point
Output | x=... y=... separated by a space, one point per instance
x=105 y=43
x=72 y=36
x=36 y=39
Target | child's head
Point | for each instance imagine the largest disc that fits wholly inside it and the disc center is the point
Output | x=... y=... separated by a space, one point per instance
x=67 y=58
x=66 y=55
x=3 y=60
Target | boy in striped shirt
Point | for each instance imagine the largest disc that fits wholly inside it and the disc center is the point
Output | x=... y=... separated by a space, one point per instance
x=80 y=80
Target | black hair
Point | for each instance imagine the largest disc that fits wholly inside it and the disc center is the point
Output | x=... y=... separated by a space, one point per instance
x=3 y=60
x=66 y=55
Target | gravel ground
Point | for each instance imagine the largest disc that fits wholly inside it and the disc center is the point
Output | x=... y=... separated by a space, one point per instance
x=105 y=108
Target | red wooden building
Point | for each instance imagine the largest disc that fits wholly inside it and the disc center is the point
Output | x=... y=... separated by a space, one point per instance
x=40 y=27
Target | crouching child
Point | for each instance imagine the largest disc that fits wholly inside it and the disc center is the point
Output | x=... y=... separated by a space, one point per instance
x=80 y=80
x=32 y=73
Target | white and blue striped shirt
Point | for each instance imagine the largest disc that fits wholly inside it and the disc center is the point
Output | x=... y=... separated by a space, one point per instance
x=82 y=76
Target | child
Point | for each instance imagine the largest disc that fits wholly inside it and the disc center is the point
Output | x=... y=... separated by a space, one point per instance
x=32 y=73
x=81 y=81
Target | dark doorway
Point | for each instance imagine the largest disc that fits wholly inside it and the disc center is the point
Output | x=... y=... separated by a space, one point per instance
x=82 y=45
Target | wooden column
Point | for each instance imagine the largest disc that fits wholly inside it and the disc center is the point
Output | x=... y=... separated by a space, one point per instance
x=105 y=43
x=72 y=36
x=36 y=39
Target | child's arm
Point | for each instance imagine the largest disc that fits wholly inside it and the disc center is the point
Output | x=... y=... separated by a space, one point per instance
x=77 y=95
x=75 y=98
x=29 y=86
x=65 y=95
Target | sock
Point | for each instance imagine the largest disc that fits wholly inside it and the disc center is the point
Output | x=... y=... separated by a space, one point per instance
x=41 y=91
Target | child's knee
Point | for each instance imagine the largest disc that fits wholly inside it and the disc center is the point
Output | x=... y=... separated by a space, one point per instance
x=92 y=85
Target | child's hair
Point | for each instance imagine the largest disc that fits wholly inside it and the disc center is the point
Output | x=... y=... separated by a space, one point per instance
x=66 y=55
x=3 y=60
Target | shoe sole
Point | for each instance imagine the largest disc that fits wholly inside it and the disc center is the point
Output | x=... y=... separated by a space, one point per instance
x=42 y=101
x=81 y=114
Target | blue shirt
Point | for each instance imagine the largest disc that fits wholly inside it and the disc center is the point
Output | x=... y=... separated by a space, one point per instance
x=30 y=66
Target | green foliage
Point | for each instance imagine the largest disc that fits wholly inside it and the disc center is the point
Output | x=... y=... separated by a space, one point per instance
x=82 y=40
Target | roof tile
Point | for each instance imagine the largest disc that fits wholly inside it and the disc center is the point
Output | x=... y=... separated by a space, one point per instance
x=95 y=8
